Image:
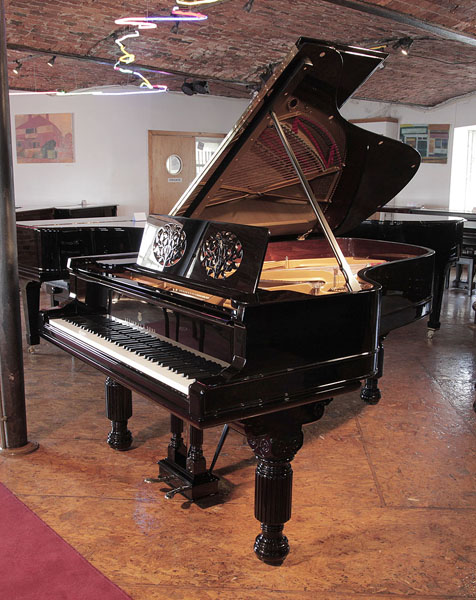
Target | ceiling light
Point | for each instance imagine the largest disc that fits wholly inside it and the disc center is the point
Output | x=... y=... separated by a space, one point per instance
x=403 y=44
x=17 y=67
x=51 y=62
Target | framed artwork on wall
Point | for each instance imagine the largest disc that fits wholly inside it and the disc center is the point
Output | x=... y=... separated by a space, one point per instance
x=44 y=138
x=431 y=141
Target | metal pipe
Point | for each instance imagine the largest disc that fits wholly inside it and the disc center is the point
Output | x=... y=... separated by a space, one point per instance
x=350 y=279
x=137 y=66
x=12 y=412
x=404 y=19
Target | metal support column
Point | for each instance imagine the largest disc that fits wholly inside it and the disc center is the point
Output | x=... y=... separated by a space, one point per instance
x=13 y=434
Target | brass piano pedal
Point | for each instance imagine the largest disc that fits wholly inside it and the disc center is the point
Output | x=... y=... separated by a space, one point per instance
x=162 y=479
x=178 y=490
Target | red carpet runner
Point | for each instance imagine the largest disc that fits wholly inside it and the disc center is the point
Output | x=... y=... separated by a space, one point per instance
x=37 y=564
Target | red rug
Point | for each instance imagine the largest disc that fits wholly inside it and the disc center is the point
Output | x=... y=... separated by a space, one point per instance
x=37 y=564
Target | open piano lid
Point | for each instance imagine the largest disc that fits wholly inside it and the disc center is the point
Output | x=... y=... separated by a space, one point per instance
x=352 y=172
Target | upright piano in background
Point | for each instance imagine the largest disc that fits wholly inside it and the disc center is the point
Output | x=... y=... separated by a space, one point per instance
x=241 y=309
x=45 y=246
x=443 y=234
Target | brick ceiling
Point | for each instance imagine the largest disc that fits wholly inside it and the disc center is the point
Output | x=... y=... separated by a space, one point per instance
x=234 y=47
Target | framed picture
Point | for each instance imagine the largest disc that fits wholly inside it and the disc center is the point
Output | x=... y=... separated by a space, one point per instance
x=44 y=138
x=431 y=141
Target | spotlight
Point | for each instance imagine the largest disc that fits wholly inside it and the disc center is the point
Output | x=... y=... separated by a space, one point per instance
x=248 y=6
x=403 y=44
x=195 y=87
x=201 y=87
x=51 y=62
x=187 y=88
x=17 y=67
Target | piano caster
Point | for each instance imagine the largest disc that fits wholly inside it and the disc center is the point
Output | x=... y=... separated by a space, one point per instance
x=119 y=438
x=271 y=546
x=178 y=490
x=370 y=392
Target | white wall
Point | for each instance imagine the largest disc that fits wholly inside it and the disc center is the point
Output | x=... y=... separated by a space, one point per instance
x=112 y=156
x=110 y=141
x=431 y=185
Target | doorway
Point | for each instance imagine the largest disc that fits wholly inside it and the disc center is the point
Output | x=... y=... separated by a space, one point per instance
x=175 y=159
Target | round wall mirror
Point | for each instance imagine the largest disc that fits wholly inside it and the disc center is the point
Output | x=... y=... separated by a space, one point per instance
x=174 y=164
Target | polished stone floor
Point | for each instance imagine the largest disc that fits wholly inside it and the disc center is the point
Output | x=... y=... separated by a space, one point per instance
x=384 y=496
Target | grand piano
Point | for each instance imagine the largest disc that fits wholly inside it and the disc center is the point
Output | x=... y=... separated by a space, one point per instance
x=44 y=247
x=443 y=234
x=241 y=309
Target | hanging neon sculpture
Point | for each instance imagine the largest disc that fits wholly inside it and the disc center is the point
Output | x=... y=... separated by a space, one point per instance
x=196 y=2
x=128 y=58
x=177 y=15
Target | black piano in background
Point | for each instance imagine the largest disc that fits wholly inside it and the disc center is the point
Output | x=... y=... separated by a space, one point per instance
x=69 y=211
x=443 y=234
x=44 y=248
x=273 y=318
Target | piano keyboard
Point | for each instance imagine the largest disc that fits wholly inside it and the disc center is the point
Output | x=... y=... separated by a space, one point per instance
x=154 y=355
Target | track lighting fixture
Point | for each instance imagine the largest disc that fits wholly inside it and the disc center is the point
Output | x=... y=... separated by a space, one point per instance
x=248 y=6
x=195 y=87
x=51 y=62
x=403 y=44
x=17 y=67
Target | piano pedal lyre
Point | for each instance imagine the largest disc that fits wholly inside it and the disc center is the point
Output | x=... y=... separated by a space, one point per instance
x=186 y=472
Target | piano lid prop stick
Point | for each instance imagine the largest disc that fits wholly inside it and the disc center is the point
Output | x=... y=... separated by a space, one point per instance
x=350 y=279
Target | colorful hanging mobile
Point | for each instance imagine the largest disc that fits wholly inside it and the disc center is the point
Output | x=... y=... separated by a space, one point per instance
x=177 y=15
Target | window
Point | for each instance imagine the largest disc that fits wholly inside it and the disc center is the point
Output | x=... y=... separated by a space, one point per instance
x=463 y=170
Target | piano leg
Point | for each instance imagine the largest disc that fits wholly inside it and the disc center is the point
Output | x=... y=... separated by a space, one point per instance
x=370 y=393
x=275 y=450
x=30 y=292
x=440 y=274
x=118 y=411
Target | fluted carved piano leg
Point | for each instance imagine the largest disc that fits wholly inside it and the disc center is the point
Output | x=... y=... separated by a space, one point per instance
x=118 y=411
x=273 y=490
x=370 y=393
